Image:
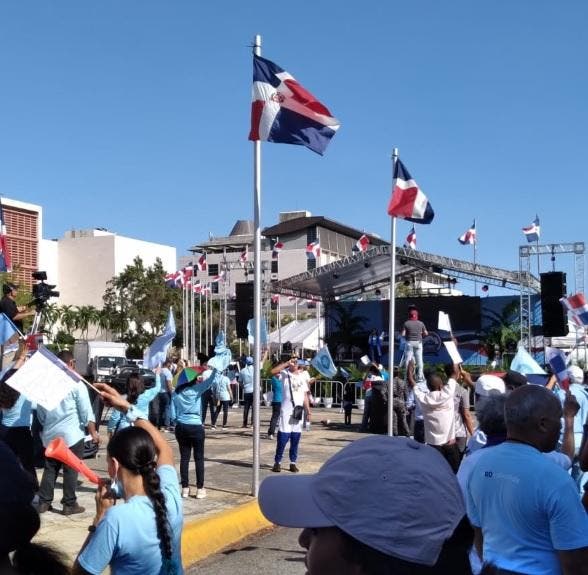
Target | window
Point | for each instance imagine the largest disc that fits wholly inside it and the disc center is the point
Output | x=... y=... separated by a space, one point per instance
x=274 y=266
x=212 y=269
x=214 y=287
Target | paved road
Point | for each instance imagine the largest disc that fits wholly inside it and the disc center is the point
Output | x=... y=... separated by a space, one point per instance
x=276 y=551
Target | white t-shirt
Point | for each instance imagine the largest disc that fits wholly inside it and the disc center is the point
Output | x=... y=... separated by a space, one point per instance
x=300 y=388
x=438 y=413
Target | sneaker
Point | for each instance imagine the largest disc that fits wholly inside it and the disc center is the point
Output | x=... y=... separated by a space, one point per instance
x=185 y=492
x=270 y=436
x=43 y=507
x=293 y=468
x=201 y=493
x=277 y=468
x=213 y=427
x=73 y=509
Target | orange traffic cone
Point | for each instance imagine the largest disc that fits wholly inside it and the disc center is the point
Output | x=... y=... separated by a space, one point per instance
x=58 y=450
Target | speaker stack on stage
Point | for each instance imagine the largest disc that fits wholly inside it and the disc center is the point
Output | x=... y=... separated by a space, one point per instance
x=555 y=320
x=243 y=307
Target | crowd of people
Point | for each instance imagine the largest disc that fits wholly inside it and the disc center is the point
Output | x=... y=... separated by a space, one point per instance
x=501 y=493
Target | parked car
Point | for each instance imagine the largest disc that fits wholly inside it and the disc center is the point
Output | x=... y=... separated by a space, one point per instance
x=119 y=380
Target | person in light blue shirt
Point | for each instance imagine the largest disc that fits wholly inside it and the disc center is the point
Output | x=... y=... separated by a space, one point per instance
x=69 y=421
x=524 y=508
x=142 y=535
x=136 y=395
x=277 y=393
x=15 y=429
x=245 y=377
x=186 y=414
x=222 y=393
x=577 y=389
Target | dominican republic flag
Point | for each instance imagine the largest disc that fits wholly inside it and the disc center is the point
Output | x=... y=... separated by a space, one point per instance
x=408 y=201
x=558 y=362
x=577 y=308
x=244 y=257
x=469 y=237
x=533 y=232
x=285 y=113
x=362 y=244
x=5 y=261
x=201 y=265
x=278 y=247
x=411 y=239
x=188 y=272
x=219 y=278
x=174 y=280
x=275 y=298
x=313 y=250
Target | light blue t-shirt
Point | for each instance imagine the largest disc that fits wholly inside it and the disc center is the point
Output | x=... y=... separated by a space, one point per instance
x=118 y=421
x=246 y=378
x=69 y=419
x=186 y=401
x=19 y=415
x=222 y=388
x=582 y=398
x=527 y=507
x=126 y=539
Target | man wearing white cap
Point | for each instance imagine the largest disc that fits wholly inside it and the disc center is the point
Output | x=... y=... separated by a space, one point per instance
x=406 y=515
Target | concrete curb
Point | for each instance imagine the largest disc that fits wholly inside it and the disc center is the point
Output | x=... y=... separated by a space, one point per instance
x=204 y=537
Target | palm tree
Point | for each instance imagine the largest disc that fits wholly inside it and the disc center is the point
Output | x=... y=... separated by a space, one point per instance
x=51 y=314
x=86 y=315
x=68 y=318
x=502 y=331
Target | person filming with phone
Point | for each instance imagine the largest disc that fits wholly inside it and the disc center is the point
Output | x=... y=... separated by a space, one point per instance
x=294 y=404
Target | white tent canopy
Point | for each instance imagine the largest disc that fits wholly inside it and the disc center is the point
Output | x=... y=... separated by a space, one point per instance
x=302 y=334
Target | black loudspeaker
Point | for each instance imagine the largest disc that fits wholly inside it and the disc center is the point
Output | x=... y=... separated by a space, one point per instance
x=243 y=307
x=555 y=320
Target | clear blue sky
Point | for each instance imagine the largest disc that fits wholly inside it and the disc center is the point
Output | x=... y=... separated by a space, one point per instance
x=133 y=115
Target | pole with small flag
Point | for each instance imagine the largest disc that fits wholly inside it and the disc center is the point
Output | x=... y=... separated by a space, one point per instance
x=409 y=203
x=469 y=237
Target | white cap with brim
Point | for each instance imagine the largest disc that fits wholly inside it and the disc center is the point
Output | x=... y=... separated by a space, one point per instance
x=406 y=500
x=488 y=385
x=576 y=374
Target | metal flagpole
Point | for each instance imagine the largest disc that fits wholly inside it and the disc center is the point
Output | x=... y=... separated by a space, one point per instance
x=200 y=320
x=256 y=295
x=392 y=311
x=185 y=321
x=206 y=320
x=279 y=324
x=475 y=257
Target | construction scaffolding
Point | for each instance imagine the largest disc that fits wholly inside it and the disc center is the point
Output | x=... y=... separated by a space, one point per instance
x=528 y=287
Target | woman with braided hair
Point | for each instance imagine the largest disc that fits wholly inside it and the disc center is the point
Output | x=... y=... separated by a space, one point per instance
x=142 y=535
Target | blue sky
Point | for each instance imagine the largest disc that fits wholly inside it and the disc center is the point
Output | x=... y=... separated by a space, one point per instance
x=133 y=115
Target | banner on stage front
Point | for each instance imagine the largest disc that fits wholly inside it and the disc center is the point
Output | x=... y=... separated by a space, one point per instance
x=44 y=379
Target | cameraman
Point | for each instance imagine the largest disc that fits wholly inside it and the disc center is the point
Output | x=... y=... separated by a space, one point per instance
x=8 y=306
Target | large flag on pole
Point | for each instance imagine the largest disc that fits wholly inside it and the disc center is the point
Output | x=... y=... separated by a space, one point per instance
x=285 y=113
x=408 y=201
x=533 y=232
x=5 y=261
x=44 y=379
x=313 y=250
x=469 y=236
x=362 y=244
x=156 y=353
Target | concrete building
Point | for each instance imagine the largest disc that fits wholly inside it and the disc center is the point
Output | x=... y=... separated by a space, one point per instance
x=295 y=230
x=83 y=261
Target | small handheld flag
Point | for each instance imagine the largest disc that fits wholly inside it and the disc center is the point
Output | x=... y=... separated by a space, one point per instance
x=411 y=239
x=533 y=232
x=313 y=250
x=408 y=201
x=285 y=113
x=156 y=353
x=577 y=308
x=558 y=362
x=469 y=236
x=323 y=362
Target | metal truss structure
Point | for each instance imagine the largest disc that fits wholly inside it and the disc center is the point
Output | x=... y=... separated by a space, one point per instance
x=356 y=274
x=527 y=289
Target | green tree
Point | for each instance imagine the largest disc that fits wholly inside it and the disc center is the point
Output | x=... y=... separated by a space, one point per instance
x=68 y=318
x=136 y=304
x=503 y=330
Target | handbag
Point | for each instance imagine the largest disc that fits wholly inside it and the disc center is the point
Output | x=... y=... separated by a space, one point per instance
x=298 y=410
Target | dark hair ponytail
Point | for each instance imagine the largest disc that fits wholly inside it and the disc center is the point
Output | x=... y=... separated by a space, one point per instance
x=8 y=395
x=135 y=387
x=134 y=449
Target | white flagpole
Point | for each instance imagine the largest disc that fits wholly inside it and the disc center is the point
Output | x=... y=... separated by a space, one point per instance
x=256 y=295
x=192 y=321
x=475 y=258
x=392 y=311
x=185 y=320
x=206 y=320
x=200 y=319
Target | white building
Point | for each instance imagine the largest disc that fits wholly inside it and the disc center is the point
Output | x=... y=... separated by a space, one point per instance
x=83 y=261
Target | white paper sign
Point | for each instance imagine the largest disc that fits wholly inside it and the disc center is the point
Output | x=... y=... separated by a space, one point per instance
x=42 y=382
x=452 y=351
x=443 y=323
x=365 y=360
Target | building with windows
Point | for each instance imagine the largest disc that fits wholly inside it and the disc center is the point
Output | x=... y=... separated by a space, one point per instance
x=294 y=230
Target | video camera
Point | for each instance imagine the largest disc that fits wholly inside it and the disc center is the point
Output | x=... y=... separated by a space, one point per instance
x=42 y=291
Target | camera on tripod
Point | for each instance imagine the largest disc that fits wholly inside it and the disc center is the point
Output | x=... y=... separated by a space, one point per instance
x=42 y=291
